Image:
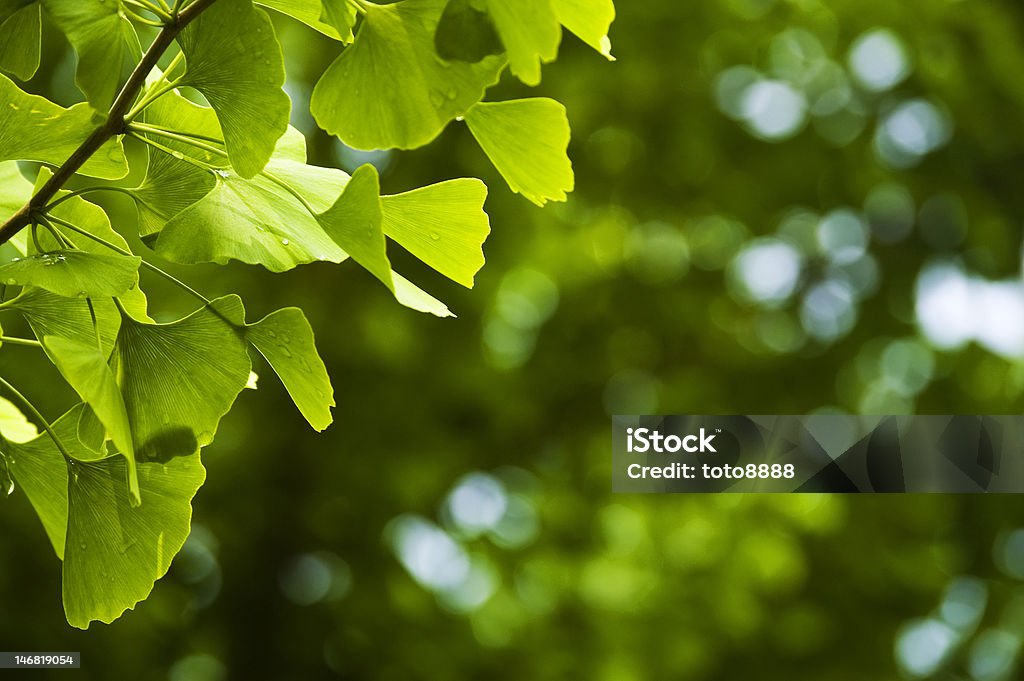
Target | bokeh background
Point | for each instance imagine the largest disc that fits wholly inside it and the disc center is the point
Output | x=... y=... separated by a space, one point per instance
x=783 y=206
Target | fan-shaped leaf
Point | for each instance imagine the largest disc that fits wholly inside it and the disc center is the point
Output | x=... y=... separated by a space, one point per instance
x=285 y=339
x=179 y=379
x=51 y=315
x=234 y=59
x=313 y=13
x=21 y=32
x=526 y=140
x=74 y=274
x=530 y=32
x=33 y=128
x=390 y=89
x=13 y=424
x=444 y=225
x=355 y=224
x=102 y=38
x=589 y=20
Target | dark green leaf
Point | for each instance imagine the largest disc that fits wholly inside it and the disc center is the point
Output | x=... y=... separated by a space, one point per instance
x=21 y=34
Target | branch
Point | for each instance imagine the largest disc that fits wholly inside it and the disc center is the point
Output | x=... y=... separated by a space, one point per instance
x=114 y=125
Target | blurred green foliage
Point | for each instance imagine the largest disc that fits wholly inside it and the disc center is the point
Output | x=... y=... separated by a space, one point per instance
x=456 y=522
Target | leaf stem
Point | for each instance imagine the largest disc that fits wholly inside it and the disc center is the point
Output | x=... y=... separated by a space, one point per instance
x=148 y=265
x=176 y=154
x=26 y=342
x=34 y=413
x=114 y=125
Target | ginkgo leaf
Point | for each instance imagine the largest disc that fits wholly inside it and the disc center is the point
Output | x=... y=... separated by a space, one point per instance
x=355 y=222
x=102 y=38
x=179 y=379
x=389 y=88
x=14 y=425
x=15 y=191
x=313 y=14
x=42 y=475
x=260 y=221
x=74 y=273
x=114 y=553
x=444 y=225
x=235 y=61
x=285 y=339
x=526 y=140
x=341 y=16
x=466 y=33
x=21 y=32
x=530 y=32
x=85 y=369
x=171 y=184
x=589 y=20
x=412 y=296
x=33 y=128
x=48 y=314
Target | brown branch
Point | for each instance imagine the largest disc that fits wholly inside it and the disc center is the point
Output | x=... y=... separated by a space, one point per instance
x=114 y=125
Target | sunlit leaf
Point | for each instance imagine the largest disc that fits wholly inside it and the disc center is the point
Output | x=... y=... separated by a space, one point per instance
x=14 y=426
x=33 y=128
x=73 y=273
x=355 y=222
x=51 y=315
x=412 y=296
x=259 y=221
x=589 y=20
x=20 y=37
x=234 y=59
x=86 y=370
x=526 y=140
x=530 y=32
x=285 y=339
x=15 y=191
x=102 y=38
x=341 y=16
x=390 y=89
x=444 y=225
x=179 y=379
x=115 y=553
x=313 y=14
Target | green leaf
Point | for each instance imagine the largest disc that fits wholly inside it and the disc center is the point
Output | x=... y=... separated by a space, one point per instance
x=103 y=40
x=412 y=296
x=390 y=89
x=115 y=553
x=526 y=140
x=313 y=14
x=257 y=221
x=51 y=315
x=35 y=129
x=464 y=33
x=340 y=15
x=530 y=32
x=235 y=61
x=355 y=224
x=21 y=33
x=285 y=339
x=14 y=426
x=172 y=185
x=15 y=191
x=179 y=379
x=589 y=20
x=86 y=370
x=74 y=273
x=444 y=225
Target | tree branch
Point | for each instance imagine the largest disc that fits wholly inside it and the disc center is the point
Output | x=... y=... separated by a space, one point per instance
x=114 y=125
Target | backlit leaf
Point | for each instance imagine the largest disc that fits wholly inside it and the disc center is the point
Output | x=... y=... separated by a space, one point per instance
x=102 y=38
x=341 y=16
x=14 y=426
x=74 y=273
x=444 y=225
x=390 y=89
x=33 y=128
x=48 y=314
x=355 y=223
x=530 y=32
x=234 y=59
x=312 y=13
x=589 y=20
x=526 y=140
x=20 y=38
